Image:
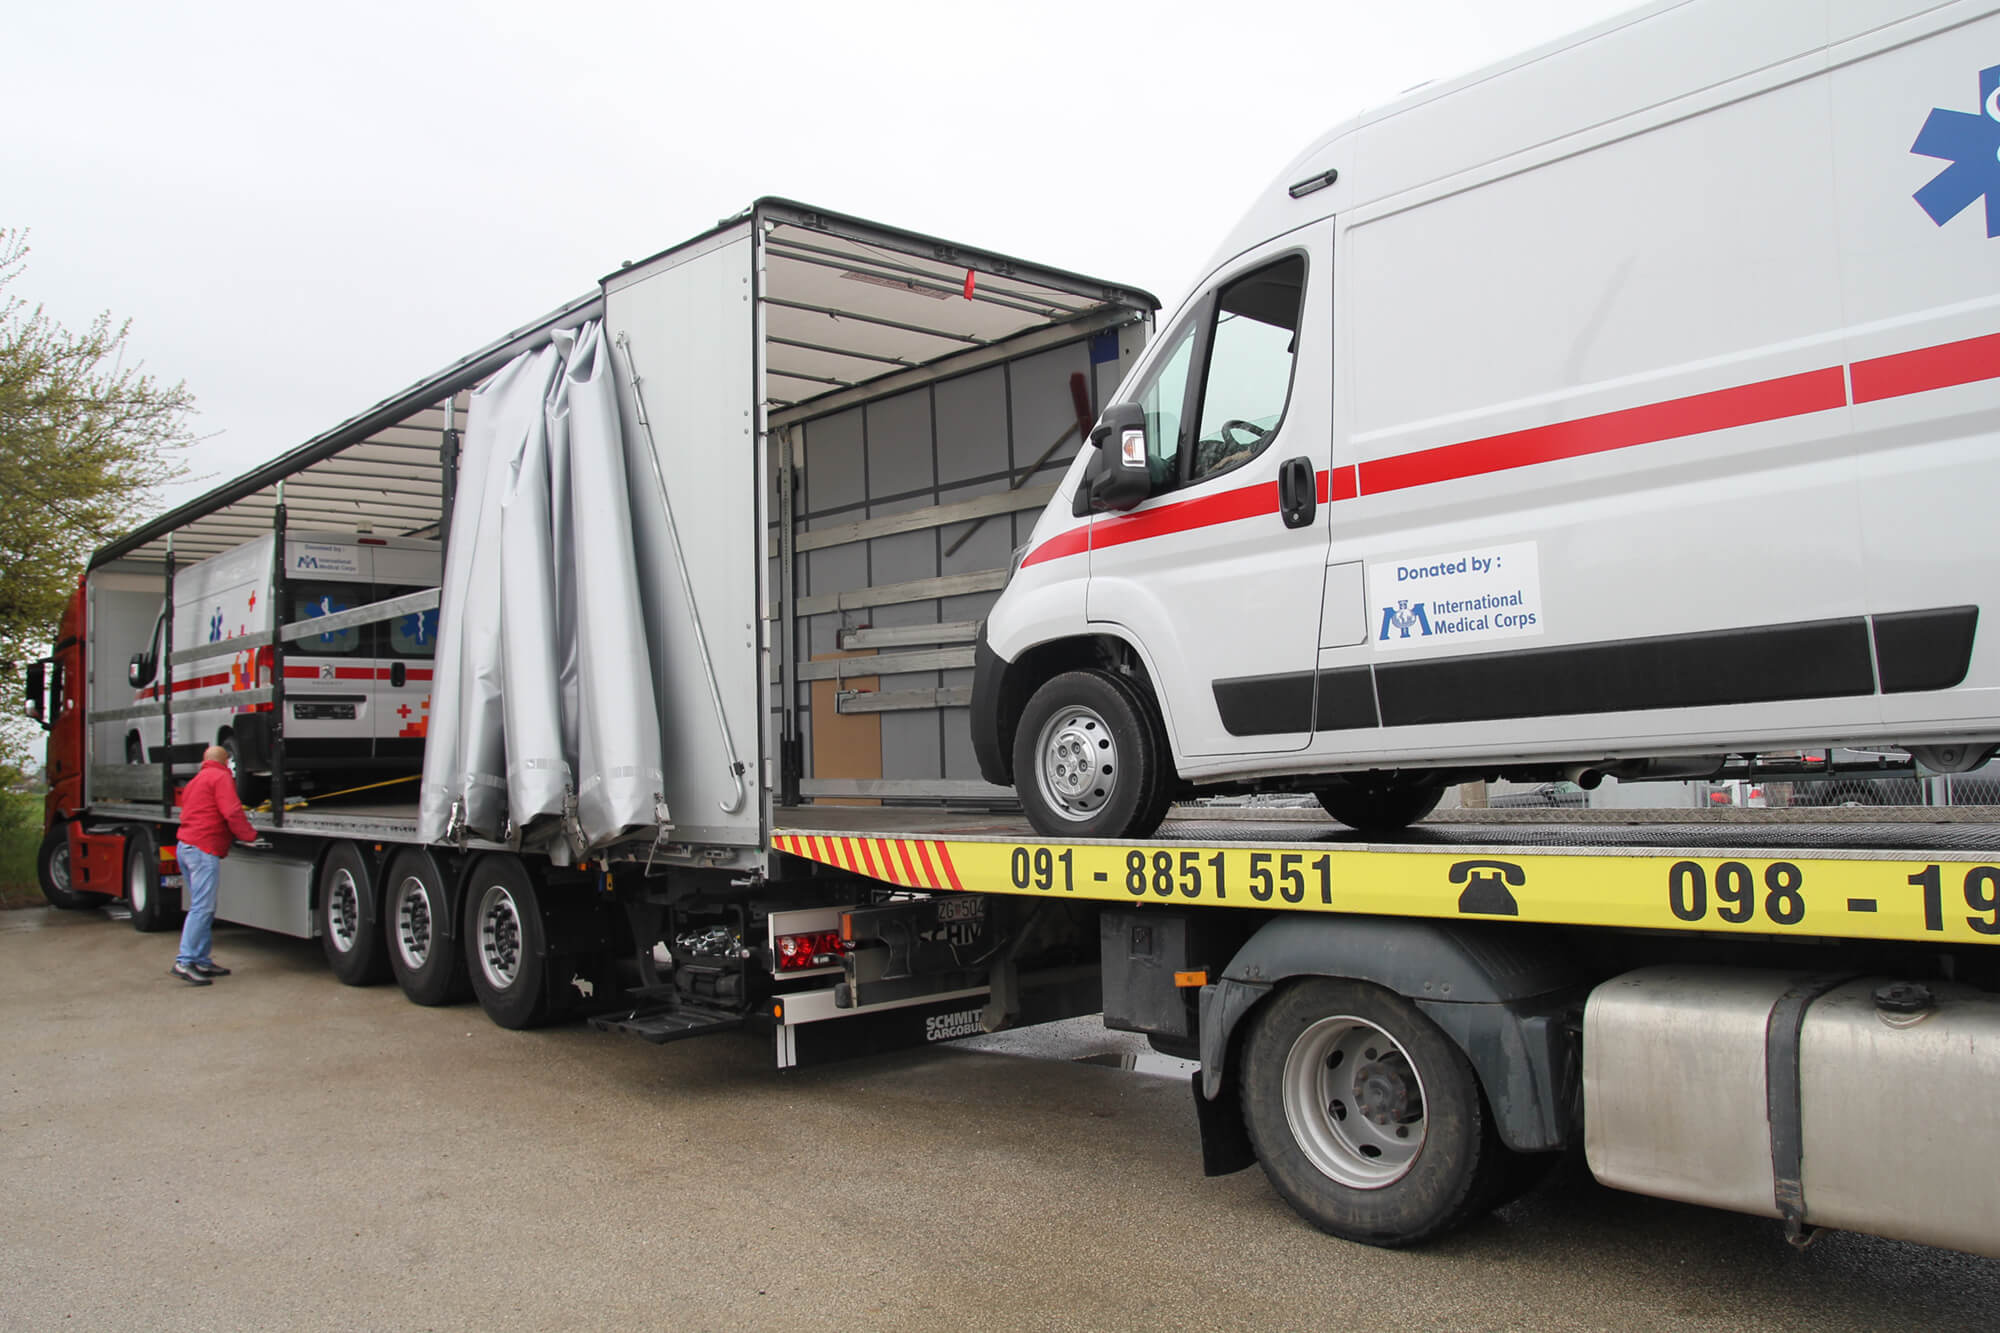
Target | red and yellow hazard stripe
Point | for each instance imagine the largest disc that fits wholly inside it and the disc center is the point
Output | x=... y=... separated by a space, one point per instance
x=908 y=863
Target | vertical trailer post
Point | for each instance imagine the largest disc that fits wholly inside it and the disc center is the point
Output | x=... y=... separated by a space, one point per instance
x=278 y=602
x=791 y=750
x=448 y=470
x=167 y=692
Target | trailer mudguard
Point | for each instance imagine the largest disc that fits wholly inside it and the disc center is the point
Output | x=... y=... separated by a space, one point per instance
x=1505 y=994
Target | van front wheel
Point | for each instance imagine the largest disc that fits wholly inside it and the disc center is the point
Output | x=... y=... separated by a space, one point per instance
x=1088 y=761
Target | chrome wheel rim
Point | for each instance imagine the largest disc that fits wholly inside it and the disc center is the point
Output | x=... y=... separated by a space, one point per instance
x=499 y=937
x=59 y=866
x=1355 y=1102
x=1076 y=762
x=343 y=910
x=412 y=915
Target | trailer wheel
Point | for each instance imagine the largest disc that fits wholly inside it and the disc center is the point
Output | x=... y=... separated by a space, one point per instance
x=1087 y=759
x=1366 y=1117
x=505 y=951
x=1378 y=807
x=350 y=927
x=150 y=910
x=417 y=929
x=52 y=869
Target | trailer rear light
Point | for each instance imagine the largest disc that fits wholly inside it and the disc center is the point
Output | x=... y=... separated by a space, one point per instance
x=819 y=948
x=168 y=859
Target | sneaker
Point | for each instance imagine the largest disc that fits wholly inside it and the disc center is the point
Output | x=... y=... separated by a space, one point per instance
x=208 y=970
x=190 y=976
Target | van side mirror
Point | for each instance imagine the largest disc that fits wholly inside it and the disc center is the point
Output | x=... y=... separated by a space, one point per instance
x=1118 y=478
x=139 y=672
x=36 y=690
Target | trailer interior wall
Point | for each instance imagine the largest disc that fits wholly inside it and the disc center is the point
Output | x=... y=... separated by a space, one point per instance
x=1001 y=434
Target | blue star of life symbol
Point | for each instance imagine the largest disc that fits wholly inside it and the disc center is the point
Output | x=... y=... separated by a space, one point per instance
x=215 y=625
x=1970 y=141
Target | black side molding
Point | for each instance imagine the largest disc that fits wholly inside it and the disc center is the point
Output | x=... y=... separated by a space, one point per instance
x=1925 y=650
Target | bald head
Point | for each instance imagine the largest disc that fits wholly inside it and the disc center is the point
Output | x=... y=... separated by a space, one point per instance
x=215 y=754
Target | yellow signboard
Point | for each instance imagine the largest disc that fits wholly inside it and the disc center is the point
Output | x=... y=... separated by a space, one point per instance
x=1893 y=899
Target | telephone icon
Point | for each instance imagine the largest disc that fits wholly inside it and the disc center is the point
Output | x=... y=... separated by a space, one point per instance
x=1487 y=886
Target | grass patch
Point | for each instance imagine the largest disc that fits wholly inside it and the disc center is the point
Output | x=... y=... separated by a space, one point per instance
x=20 y=840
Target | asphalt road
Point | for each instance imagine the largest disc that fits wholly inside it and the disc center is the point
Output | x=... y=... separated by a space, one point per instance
x=279 y=1151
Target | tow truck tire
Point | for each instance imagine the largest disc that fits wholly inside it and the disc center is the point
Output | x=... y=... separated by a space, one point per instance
x=506 y=954
x=1088 y=762
x=1371 y=808
x=52 y=869
x=1366 y=1117
x=350 y=918
x=150 y=910
x=417 y=935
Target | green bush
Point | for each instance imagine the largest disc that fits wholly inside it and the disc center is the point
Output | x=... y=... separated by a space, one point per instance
x=20 y=839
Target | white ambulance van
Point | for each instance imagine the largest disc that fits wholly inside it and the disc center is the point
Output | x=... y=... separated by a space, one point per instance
x=356 y=699
x=1629 y=405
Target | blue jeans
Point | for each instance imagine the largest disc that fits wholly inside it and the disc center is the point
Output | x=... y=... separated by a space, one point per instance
x=198 y=871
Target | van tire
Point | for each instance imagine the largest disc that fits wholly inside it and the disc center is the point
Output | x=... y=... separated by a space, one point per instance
x=52 y=870
x=251 y=790
x=1094 y=716
x=506 y=950
x=1163 y=799
x=1374 y=808
x=350 y=918
x=417 y=932
x=1351 y=1169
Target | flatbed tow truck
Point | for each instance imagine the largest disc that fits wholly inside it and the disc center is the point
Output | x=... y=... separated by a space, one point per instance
x=1793 y=1017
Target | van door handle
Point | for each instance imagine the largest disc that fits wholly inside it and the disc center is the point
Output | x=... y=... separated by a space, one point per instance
x=398 y=673
x=1298 y=492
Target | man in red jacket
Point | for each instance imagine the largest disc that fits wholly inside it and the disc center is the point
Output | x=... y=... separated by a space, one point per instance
x=211 y=823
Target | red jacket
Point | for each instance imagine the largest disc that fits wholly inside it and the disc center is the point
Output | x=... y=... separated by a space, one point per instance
x=210 y=812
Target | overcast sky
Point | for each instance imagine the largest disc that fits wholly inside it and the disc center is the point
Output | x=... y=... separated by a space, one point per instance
x=304 y=209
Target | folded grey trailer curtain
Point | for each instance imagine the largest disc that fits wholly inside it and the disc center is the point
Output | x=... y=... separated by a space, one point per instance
x=544 y=719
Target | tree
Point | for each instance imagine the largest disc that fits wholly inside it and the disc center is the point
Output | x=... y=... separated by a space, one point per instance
x=85 y=441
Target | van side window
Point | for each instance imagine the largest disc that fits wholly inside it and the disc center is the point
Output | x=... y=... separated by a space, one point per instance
x=1165 y=400
x=1249 y=377
x=310 y=600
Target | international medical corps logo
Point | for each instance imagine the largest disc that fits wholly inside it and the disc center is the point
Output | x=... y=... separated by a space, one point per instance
x=1970 y=141
x=1405 y=617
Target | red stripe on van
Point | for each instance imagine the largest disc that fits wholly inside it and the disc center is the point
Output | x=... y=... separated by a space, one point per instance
x=1183 y=516
x=1927 y=368
x=1697 y=414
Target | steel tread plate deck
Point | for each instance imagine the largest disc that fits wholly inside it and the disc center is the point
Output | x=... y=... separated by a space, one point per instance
x=1933 y=883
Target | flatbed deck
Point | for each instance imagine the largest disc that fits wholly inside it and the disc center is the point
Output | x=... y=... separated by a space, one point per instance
x=1935 y=881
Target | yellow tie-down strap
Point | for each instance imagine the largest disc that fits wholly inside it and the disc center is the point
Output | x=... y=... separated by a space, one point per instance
x=1891 y=897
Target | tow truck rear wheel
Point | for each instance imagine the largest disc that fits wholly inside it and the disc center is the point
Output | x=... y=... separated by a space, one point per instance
x=52 y=869
x=150 y=910
x=1366 y=1117
x=505 y=951
x=1374 y=807
x=350 y=925
x=1088 y=759
x=416 y=916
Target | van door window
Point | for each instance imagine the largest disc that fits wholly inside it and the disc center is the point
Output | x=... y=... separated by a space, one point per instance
x=312 y=600
x=1164 y=400
x=1249 y=378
